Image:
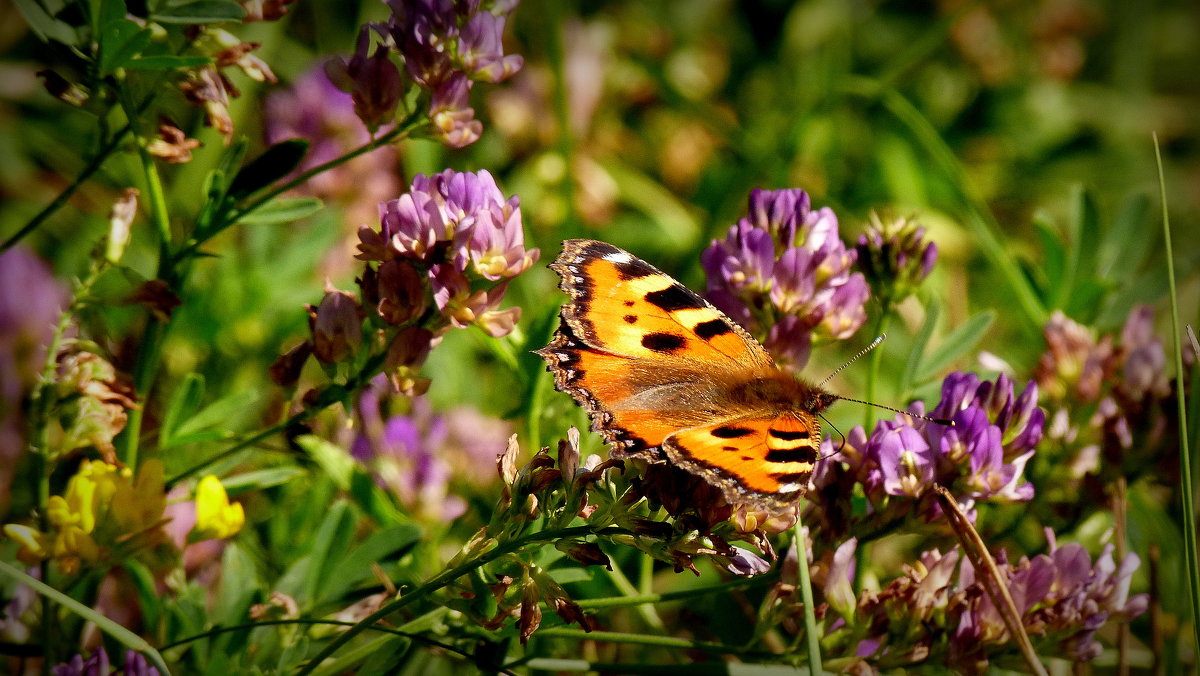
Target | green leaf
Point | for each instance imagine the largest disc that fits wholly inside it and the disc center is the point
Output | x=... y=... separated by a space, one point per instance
x=1128 y=241
x=333 y=537
x=120 y=42
x=239 y=585
x=105 y=12
x=334 y=460
x=260 y=479
x=44 y=25
x=121 y=634
x=920 y=342
x=220 y=411
x=372 y=499
x=355 y=567
x=1050 y=274
x=1087 y=215
x=167 y=62
x=202 y=11
x=273 y=164
x=283 y=210
x=184 y=403
x=956 y=344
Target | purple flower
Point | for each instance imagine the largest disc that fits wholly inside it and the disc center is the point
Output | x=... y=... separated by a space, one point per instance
x=981 y=457
x=482 y=51
x=417 y=456
x=451 y=114
x=839 y=581
x=1075 y=364
x=904 y=458
x=746 y=563
x=895 y=257
x=461 y=228
x=336 y=326
x=446 y=46
x=1143 y=372
x=373 y=81
x=98 y=665
x=783 y=271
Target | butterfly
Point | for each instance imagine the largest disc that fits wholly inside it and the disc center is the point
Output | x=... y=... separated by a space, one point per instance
x=667 y=377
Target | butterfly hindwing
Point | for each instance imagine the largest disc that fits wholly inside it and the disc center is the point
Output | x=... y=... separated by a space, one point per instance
x=766 y=457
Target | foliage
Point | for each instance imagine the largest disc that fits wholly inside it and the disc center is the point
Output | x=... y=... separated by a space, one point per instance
x=267 y=322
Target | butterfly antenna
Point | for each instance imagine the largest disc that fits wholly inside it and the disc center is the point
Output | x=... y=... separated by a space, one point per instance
x=939 y=421
x=875 y=343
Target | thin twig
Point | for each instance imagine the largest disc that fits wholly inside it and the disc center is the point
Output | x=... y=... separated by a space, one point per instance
x=985 y=566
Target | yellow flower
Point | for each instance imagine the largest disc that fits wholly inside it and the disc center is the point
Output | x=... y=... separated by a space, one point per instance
x=215 y=516
x=137 y=506
x=32 y=541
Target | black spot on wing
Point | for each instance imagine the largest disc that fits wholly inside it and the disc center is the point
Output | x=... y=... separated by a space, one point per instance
x=629 y=303
x=729 y=432
x=630 y=319
x=674 y=297
x=791 y=477
x=787 y=435
x=663 y=342
x=711 y=329
x=633 y=269
x=802 y=454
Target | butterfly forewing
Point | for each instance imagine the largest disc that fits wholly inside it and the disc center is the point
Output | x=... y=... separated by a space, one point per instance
x=623 y=305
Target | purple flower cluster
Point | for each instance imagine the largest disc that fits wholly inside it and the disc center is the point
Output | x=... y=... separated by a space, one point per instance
x=783 y=270
x=459 y=229
x=446 y=46
x=895 y=257
x=1059 y=594
x=98 y=665
x=441 y=259
x=416 y=456
x=981 y=457
x=939 y=609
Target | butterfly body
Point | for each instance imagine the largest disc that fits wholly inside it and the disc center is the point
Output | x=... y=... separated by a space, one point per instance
x=665 y=376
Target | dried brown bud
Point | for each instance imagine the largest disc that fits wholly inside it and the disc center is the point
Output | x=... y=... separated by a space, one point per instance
x=285 y=372
x=172 y=143
x=586 y=553
x=158 y=297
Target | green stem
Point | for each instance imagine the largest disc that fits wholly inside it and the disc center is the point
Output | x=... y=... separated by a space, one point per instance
x=242 y=445
x=647 y=612
x=876 y=358
x=622 y=601
x=446 y=577
x=639 y=639
x=150 y=351
x=92 y=167
x=402 y=130
x=812 y=638
x=1186 y=487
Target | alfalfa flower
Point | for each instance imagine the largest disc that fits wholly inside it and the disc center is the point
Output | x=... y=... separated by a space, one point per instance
x=784 y=273
x=896 y=257
x=446 y=47
x=216 y=517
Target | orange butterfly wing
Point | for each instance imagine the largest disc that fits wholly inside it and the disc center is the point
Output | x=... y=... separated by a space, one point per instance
x=661 y=371
x=767 y=459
